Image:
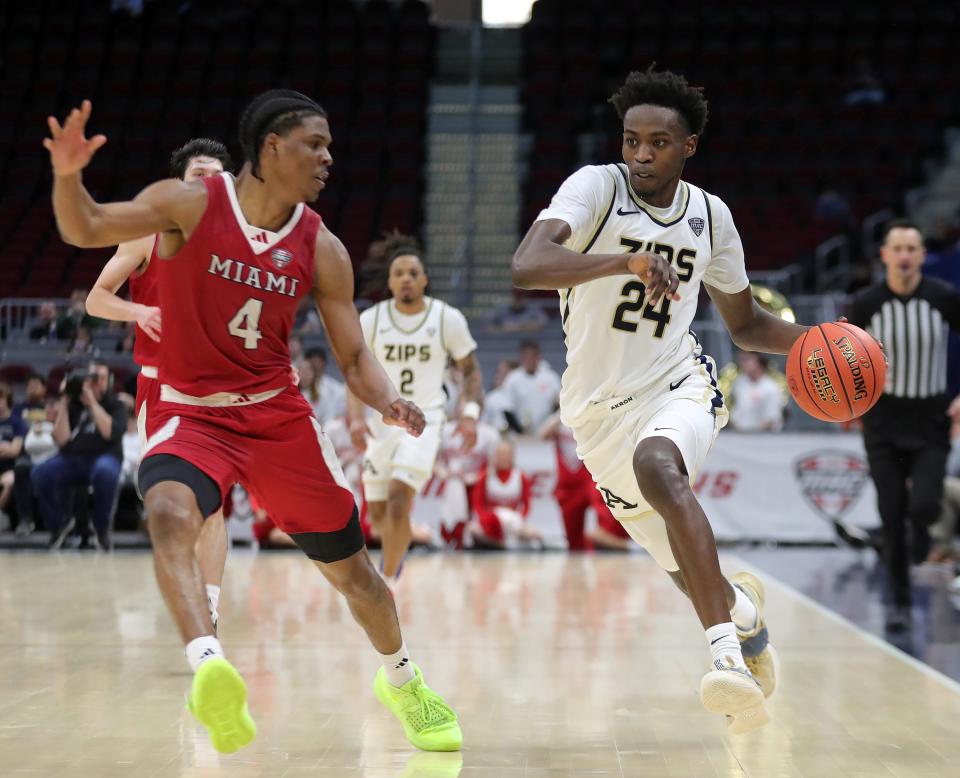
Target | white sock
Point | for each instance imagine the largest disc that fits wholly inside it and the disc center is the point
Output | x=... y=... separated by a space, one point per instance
x=199 y=650
x=398 y=666
x=724 y=646
x=744 y=612
x=213 y=600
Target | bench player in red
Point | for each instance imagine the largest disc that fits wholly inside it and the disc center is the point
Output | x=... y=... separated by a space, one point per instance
x=235 y=258
x=133 y=262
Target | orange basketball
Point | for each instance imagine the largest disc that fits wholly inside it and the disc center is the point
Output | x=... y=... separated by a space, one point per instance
x=836 y=371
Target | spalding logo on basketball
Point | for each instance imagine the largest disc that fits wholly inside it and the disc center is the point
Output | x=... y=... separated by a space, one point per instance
x=836 y=372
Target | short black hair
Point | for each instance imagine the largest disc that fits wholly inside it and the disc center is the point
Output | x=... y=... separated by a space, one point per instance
x=316 y=351
x=274 y=111
x=899 y=224
x=397 y=244
x=198 y=147
x=667 y=89
x=36 y=377
x=529 y=344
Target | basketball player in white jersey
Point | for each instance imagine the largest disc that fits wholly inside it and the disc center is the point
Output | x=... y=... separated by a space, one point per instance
x=627 y=246
x=198 y=158
x=413 y=336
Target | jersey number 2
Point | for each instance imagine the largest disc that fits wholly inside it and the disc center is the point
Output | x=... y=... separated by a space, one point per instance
x=633 y=291
x=246 y=323
x=406 y=378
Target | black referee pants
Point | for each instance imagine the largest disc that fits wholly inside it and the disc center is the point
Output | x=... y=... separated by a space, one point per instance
x=907 y=443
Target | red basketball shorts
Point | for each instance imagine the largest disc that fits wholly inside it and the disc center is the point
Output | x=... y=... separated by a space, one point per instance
x=275 y=447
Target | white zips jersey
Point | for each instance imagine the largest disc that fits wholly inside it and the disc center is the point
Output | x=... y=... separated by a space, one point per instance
x=617 y=344
x=414 y=349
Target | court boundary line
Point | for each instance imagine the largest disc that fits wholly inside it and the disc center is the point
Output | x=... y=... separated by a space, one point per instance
x=869 y=637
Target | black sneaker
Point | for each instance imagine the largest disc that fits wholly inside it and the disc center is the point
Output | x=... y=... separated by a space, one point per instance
x=57 y=538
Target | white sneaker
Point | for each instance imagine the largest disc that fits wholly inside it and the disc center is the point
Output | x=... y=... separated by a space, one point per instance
x=734 y=693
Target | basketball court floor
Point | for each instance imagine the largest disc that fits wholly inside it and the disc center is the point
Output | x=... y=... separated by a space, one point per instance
x=557 y=665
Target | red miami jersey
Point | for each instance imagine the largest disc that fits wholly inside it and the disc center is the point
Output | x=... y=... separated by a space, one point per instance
x=143 y=290
x=229 y=298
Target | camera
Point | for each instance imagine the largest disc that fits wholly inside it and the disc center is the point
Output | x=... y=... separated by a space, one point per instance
x=74 y=382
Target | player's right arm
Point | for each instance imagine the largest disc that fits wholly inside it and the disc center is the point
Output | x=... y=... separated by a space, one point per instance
x=103 y=300
x=166 y=206
x=365 y=377
x=542 y=261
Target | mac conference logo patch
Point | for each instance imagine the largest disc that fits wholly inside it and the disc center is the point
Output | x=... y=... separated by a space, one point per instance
x=281 y=258
x=696 y=224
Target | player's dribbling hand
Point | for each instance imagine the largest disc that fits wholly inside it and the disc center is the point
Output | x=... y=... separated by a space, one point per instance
x=70 y=150
x=401 y=413
x=149 y=321
x=658 y=276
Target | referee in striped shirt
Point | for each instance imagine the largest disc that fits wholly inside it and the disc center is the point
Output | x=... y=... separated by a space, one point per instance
x=906 y=434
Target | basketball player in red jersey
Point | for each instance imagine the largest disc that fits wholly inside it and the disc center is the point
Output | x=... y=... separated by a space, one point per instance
x=235 y=258
x=198 y=158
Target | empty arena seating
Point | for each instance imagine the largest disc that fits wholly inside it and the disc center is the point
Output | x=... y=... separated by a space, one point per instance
x=777 y=76
x=181 y=70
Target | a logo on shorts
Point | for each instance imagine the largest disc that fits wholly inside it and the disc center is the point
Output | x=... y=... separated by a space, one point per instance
x=431 y=331
x=696 y=224
x=613 y=501
x=281 y=258
x=831 y=481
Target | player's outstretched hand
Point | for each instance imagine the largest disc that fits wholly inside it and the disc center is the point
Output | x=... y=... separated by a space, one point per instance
x=70 y=150
x=401 y=413
x=358 y=434
x=658 y=276
x=149 y=321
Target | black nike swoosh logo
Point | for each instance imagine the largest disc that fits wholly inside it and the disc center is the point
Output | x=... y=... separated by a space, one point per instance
x=657 y=429
x=621 y=212
x=716 y=639
x=677 y=384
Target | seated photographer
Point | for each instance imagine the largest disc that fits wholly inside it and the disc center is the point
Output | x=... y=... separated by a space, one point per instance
x=89 y=431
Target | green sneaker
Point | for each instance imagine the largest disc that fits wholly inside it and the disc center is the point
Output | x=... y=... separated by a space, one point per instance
x=427 y=721
x=218 y=700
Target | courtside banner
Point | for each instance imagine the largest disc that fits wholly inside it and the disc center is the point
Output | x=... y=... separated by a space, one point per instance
x=788 y=487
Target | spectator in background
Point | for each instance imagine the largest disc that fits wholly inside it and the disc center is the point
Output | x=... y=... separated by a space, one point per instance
x=38 y=447
x=48 y=326
x=326 y=395
x=533 y=390
x=575 y=492
x=944 y=532
x=496 y=402
x=33 y=406
x=519 y=315
x=89 y=430
x=757 y=399
x=12 y=433
x=82 y=344
x=501 y=502
x=460 y=469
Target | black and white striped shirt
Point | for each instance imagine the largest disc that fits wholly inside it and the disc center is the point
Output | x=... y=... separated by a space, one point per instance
x=914 y=331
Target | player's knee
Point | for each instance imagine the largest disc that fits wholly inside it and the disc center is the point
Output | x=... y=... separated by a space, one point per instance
x=398 y=499
x=658 y=472
x=359 y=581
x=168 y=515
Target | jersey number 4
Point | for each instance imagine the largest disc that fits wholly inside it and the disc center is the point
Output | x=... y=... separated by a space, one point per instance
x=246 y=323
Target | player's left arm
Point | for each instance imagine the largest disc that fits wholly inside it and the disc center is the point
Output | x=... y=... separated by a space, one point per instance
x=366 y=379
x=751 y=327
x=462 y=349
